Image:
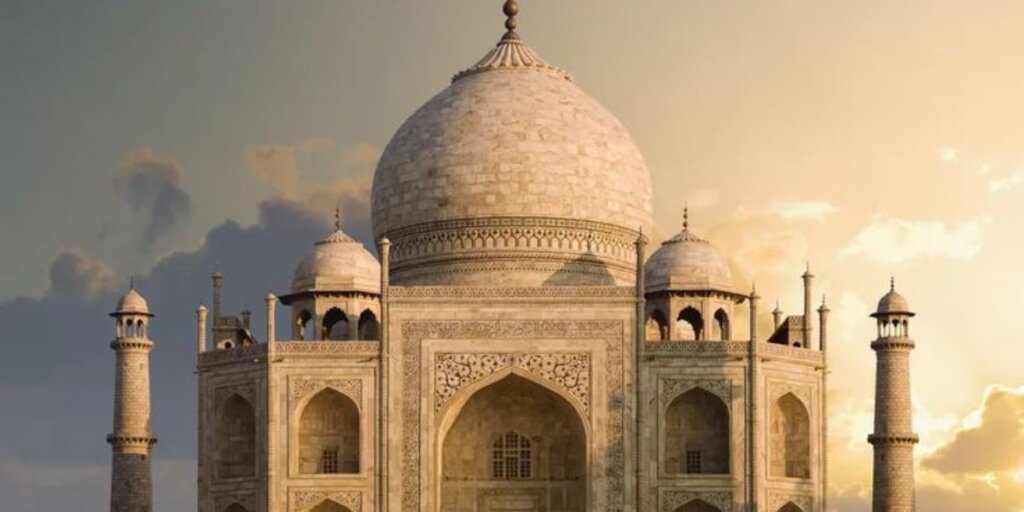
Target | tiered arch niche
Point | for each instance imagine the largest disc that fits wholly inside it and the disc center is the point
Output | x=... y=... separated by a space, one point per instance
x=511 y=441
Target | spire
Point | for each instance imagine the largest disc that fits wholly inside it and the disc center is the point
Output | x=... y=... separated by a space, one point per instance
x=511 y=9
x=131 y=282
x=337 y=219
x=892 y=283
x=686 y=217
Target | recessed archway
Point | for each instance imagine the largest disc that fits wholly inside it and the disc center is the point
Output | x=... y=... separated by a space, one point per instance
x=515 y=435
x=369 y=327
x=235 y=439
x=235 y=507
x=336 y=326
x=329 y=506
x=329 y=435
x=790 y=507
x=697 y=506
x=723 y=330
x=790 y=438
x=697 y=434
x=657 y=326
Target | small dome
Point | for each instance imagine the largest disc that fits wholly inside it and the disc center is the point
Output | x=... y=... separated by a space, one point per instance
x=687 y=262
x=132 y=303
x=338 y=263
x=893 y=303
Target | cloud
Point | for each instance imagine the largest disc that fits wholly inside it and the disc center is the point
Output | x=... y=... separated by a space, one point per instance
x=1006 y=183
x=889 y=240
x=815 y=211
x=991 y=440
x=309 y=167
x=74 y=274
x=151 y=186
x=948 y=154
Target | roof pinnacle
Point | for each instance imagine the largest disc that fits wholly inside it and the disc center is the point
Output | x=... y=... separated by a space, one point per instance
x=686 y=216
x=337 y=219
x=511 y=9
x=892 y=283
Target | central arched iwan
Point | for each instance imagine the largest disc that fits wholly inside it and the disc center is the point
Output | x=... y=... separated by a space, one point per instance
x=697 y=506
x=515 y=443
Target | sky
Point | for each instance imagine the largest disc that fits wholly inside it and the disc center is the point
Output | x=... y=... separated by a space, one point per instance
x=166 y=139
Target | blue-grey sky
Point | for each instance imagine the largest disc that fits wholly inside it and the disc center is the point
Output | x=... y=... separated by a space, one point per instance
x=164 y=139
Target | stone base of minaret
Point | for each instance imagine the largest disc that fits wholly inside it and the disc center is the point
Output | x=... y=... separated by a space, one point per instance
x=132 y=488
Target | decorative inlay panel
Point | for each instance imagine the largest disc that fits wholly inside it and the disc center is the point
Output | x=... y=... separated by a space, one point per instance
x=326 y=347
x=697 y=348
x=456 y=371
x=777 y=389
x=779 y=499
x=352 y=388
x=302 y=500
x=672 y=388
x=413 y=334
x=671 y=500
x=246 y=390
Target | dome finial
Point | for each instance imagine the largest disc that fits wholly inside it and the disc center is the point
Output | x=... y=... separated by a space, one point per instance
x=511 y=9
x=337 y=219
x=892 y=283
x=686 y=216
x=131 y=282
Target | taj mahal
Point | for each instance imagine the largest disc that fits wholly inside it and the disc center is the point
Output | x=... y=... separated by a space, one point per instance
x=513 y=344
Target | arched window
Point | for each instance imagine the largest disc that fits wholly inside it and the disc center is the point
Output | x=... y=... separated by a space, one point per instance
x=235 y=507
x=329 y=506
x=689 y=325
x=697 y=434
x=722 y=325
x=336 y=325
x=790 y=438
x=697 y=506
x=511 y=457
x=790 y=507
x=235 y=440
x=301 y=323
x=657 y=326
x=329 y=435
x=369 y=327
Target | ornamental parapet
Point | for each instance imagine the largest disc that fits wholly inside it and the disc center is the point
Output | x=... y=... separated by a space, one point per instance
x=258 y=353
x=893 y=439
x=802 y=355
x=499 y=292
x=893 y=343
x=696 y=348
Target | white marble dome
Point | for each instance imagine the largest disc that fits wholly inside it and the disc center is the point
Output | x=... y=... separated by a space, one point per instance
x=893 y=303
x=512 y=172
x=338 y=263
x=687 y=263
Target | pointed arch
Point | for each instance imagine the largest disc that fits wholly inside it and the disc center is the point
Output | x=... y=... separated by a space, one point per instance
x=790 y=438
x=329 y=506
x=531 y=431
x=696 y=426
x=689 y=324
x=790 y=507
x=336 y=326
x=657 y=326
x=235 y=438
x=329 y=437
x=235 y=507
x=722 y=327
x=369 y=327
x=301 y=330
x=697 y=506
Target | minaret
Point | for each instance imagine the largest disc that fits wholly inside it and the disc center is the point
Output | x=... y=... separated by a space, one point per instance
x=131 y=482
x=894 y=436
